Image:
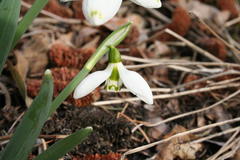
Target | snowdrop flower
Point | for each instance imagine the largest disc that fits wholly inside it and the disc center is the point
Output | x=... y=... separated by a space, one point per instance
x=115 y=75
x=98 y=12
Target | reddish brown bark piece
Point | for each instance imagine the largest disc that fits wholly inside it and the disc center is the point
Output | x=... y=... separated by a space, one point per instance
x=55 y=7
x=215 y=46
x=77 y=9
x=181 y=23
x=64 y=56
x=229 y=5
x=133 y=35
x=110 y=156
x=62 y=76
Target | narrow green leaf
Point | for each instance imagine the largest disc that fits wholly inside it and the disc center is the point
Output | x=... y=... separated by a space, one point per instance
x=29 y=128
x=9 y=14
x=112 y=40
x=28 y=19
x=60 y=148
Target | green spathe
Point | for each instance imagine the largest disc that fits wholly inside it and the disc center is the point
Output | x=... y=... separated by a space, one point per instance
x=114 y=55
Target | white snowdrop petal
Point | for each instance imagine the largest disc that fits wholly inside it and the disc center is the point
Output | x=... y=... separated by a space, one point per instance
x=148 y=3
x=136 y=84
x=91 y=82
x=98 y=12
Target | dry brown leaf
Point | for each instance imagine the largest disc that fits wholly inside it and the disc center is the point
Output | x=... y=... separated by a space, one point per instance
x=237 y=155
x=157 y=131
x=35 y=52
x=221 y=17
x=179 y=147
x=115 y=22
x=84 y=35
x=22 y=65
x=203 y=11
x=161 y=49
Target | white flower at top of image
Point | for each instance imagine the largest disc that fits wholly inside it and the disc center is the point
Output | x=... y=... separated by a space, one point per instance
x=115 y=75
x=98 y=12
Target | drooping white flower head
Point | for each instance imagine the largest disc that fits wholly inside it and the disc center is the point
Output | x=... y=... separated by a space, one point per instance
x=98 y=12
x=115 y=75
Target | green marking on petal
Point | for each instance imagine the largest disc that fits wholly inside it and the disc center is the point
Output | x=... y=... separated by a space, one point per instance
x=114 y=75
x=113 y=88
x=112 y=85
x=96 y=13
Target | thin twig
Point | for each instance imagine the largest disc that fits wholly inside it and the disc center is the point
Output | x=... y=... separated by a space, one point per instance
x=215 y=135
x=15 y=122
x=230 y=72
x=158 y=62
x=232 y=22
x=235 y=51
x=140 y=129
x=193 y=112
x=225 y=146
x=193 y=46
x=165 y=96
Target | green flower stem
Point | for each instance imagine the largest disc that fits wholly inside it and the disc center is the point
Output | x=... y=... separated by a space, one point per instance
x=28 y=19
x=112 y=40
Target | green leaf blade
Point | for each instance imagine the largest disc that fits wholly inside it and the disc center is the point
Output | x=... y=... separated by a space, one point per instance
x=27 y=20
x=9 y=14
x=60 y=148
x=29 y=128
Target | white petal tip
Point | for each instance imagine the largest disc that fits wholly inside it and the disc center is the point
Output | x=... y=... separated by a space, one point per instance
x=89 y=128
x=148 y=3
x=148 y=100
x=76 y=95
x=48 y=72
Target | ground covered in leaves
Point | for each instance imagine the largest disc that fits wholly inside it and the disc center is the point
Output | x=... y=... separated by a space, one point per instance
x=188 y=51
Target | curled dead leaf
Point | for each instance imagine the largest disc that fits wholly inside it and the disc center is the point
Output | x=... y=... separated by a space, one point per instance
x=179 y=147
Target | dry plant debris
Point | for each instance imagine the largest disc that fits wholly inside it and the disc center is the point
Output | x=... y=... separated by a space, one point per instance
x=179 y=147
x=110 y=156
x=186 y=50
